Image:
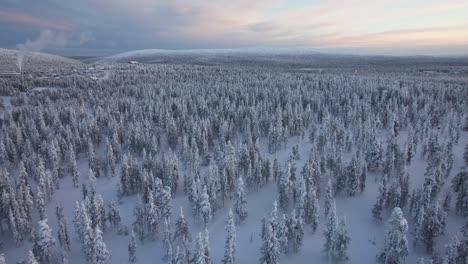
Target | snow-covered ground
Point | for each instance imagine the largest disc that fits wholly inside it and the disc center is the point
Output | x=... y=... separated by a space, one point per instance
x=367 y=237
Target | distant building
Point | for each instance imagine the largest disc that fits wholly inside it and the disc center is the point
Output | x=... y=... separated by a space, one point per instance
x=133 y=62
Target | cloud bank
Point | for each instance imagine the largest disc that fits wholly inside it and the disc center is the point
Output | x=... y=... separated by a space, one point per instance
x=390 y=27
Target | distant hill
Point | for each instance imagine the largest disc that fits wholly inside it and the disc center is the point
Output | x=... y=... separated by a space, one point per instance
x=143 y=55
x=32 y=60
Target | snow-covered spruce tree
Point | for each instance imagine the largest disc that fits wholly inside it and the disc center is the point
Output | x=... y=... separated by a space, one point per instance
x=299 y=195
x=113 y=215
x=270 y=251
x=282 y=235
x=457 y=250
x=465 y=155
x=363 y=179
x=274 y=217
x=151 y=217
x=275 y=133
x=330 y=232
x=205 y=207
x=447 y=202
x=182 y=233
x=75 y=173
x=395 y=248
x=404 y=181
x=132 y=255
x=44 y=242
x=311 y=210
x=41 y=196
x=180 y=256
x=200 y=255
x=194 y=197
x=353 y=177
x=276 y=170
x=165 y=201
x=63 y=236
x=284 y=189
x=419 y=225
x=167 y=240
x=295 y=231
x=211 y=183
x=328 y=198
x=460 y=186
x=241 y=202
x=31 y=258
x=341 y=182
x=230 y=248
x=230 y=161
x=433 y=226
x=451 y=251
x=374 y=153
x=206 y=244
x=101 y=254
x=381 y=201
x=342 y=240
x=91 y=182
x=110 y=159
x=2 y=258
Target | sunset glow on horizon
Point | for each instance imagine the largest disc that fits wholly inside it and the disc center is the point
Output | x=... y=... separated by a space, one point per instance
x=433 y=27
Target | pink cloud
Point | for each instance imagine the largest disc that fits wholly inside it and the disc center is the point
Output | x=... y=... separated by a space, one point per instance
x=27 y=20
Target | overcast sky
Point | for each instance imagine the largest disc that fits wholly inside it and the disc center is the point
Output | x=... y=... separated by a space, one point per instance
x=395 y=27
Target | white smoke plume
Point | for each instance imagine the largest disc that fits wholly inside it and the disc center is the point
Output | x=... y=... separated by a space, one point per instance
x=48 y=39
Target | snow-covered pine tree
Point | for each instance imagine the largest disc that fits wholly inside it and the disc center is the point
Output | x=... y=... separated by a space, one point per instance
x=230 y=248
x=395 y=248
